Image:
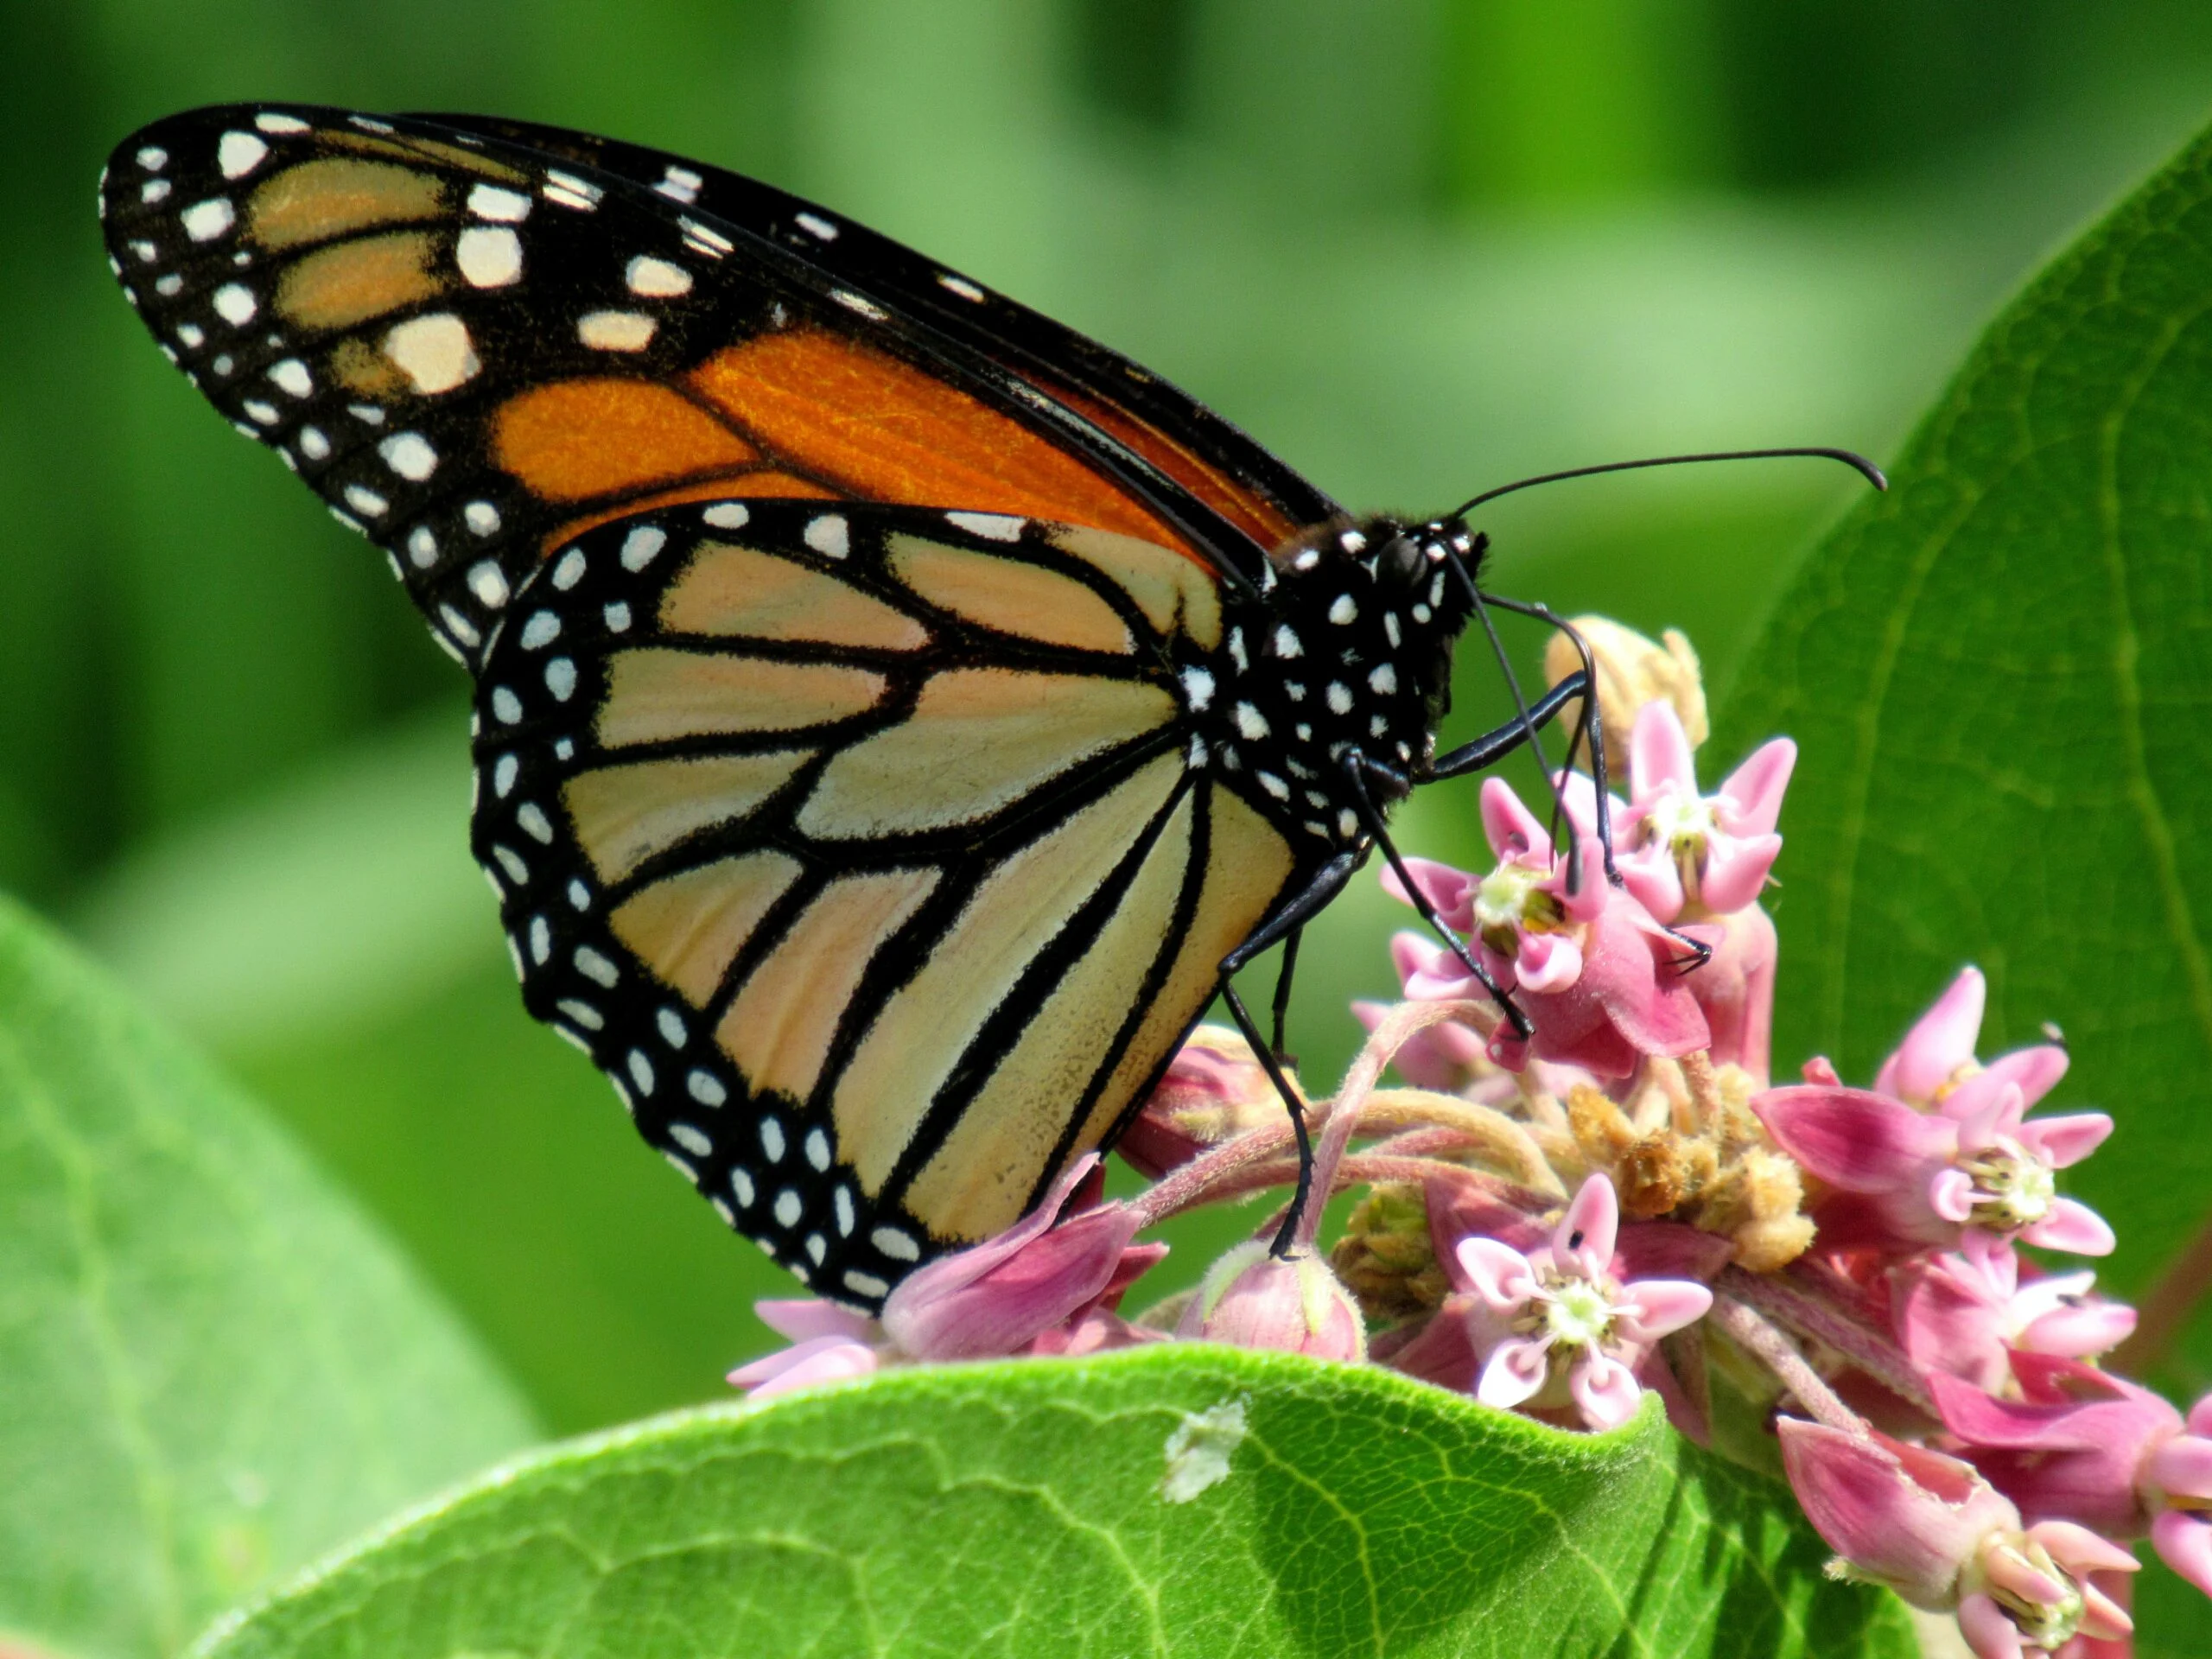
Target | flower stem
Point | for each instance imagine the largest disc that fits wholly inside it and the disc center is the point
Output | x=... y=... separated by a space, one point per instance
x=1812 y=1315
x=1751 y=1331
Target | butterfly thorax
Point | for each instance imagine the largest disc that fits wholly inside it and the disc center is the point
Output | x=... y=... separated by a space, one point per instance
x=1347 y=649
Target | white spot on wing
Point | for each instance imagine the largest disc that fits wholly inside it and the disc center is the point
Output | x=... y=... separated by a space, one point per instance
x=490 y=256
x=898 y=1245
x=960 y=285
x=435 y=352
x=272 y=121
x=489 y=583
x=235 y=304
x=828 y=535
x=206 y=221
x=616 y=330
x=999 y=527
x=728 y=515
x=481 y=518
x=859 y=303
x=815 y=225
x=238 y=153
x=409 y=455
x=292 y=377
x=641 y=546
x=655 y=279
x=680 y=184
x=505 y=206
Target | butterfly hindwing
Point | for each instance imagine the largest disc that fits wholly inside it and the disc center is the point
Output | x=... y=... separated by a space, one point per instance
x=873 y=851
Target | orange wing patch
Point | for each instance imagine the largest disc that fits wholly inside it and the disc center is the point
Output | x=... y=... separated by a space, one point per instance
x=577 y=439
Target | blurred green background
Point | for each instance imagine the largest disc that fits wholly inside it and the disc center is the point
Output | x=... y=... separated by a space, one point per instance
x=1417 y=246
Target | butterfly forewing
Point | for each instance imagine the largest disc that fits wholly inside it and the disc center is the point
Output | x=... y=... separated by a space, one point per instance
x=872 y=851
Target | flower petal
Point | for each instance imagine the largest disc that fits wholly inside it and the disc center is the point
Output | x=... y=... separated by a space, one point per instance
x=1659 y=753
x=800 y=1319
x=1605 y=1390
x=1514 y=831
x=1588 y=1232
x=2067 y=1141
x=2184 y=1543
x=1450 y=891
x=1735 y=871
x=1855 y=1139
x=1547 y=962
x=821 y=1359
x=2184 y=1465
x=1750 y=800
x=2072 y=1226
x=1515 y=1370
x=1496 y=1274
x=1660 y=1306
x=1988 y=1629
x=1940 y=1041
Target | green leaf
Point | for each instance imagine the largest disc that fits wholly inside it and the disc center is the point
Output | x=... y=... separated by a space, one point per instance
x=2000 y=678
x=211 y=1367
x=1203 y=1501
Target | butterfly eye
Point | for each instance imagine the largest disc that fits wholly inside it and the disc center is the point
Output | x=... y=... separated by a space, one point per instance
x=1399 y=562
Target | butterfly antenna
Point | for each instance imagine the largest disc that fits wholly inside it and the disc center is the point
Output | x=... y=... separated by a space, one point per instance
x=1851 y=457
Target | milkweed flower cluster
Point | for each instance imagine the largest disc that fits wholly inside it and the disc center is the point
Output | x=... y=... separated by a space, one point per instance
x=1623 y=1200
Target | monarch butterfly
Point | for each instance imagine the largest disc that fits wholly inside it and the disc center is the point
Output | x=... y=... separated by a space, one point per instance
x=896 y=715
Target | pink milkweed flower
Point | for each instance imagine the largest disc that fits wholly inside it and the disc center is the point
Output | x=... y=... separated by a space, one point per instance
x=1561 y=1326
x=998 y=1297
x=1683 y=852
x=1251 y=1299
x=1905 y=1179
x=1735 y=990
x=1600 y=982
x=1965 y=1313
x=2087 y=1446
x=828 y=1344
x=1936 y=1067
x=1213 y=1091
x=1929 y=1527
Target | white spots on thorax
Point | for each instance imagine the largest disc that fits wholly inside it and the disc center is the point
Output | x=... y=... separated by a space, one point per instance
x=960 y=285
x=153 y=158
x=705 y=1088
x=788 y=1208
x=460 y=627
x=616 y=330
x=830 y=536
x=1390 y=628
x=190 y=336
x=670 y=1024
x=154 y=190
x=1236 y=651
x=579 y=895
x=421 y=547
x=570 y=569
x=238 y=153
x=859 y=304
x=146 y=252
x=487 y=581
x=519 y=873
x=1275 y=785
x=535 y=825
x=481 y=518
x=680 y=184
x=561 y=679
x=642 y=546
x=1382 y=679
x=996 y=526
x=700 y=240
x=280 y=125
x=1436 y=590
x=265 y=413
x=1344 y=610
x=313 y=444
x=434 y=351
x=235 y=304
x=772 y=1139
x=366 y=501
x=895 y=1243
x=1315 y=798
x=728 y=515
x=741 y=1183
x=1251 y=725
x=1306 y=560
x=292 y=379
x=566 y=190
x=541 y=940
x=655 y=279
x=1353 y=541
x=817 y=227
x=501 y=206
x=1197 y=687
x=641 y=1073
x=1347 y=823
x=489 y=256
x=1338 y=698
x=1421 y=613
x=617 y=614
x=1378 y=726
x=1305 y=732
x=169 y=287
x=1288 y=643
x=865 y=1284
x=541 y=631
x=816 y=1248
x=409 y=455
x=506 y=707
x=504 y=769
x=596 y=968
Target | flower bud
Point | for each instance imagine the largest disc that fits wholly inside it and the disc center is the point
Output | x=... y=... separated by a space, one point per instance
x=1213 y=1091
x=1632 y=670
x=1386 y=1258
x=1253 y=1300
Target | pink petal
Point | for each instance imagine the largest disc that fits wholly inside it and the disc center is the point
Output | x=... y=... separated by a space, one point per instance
x=2079 y=1331
x=1735 y=871
x=1750 y=800
x=1514 y=831
x=2184 y=1543
x=801 y=1319
x=2080 y=1551
x=1854 y=1139
x=1450 y=891
x=1591 y=1227
x=2200 y=1417
x=2066 y=1140
x=2073 y=1227
x=1663 y=1306
x=1666 y=1250
x=1906 y=1517
x=1654 y=880
x=2183 y=1464
x=1659 y=753
x=1989 y=1630
x=2036 y=1070
x=821 y=1359
x=1950 y=1195
x=1515 y=1370
x=1496 y=1274
x=1605 y=1390
x=1547 y=962
x=1940 y=1041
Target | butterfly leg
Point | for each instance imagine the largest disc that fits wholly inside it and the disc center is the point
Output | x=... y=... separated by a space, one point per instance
x=1284 y=971
x=1284 y=926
